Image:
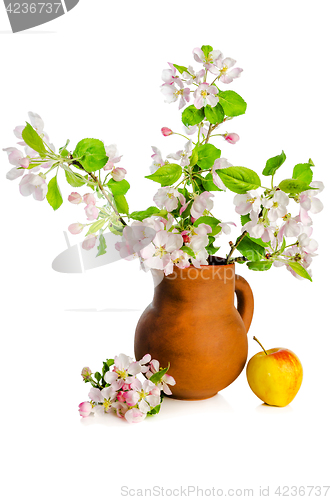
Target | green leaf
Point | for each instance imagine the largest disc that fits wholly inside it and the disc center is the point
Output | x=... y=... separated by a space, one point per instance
x=121 y=204
x=97 y=376
x=210 y=247
x=310 y=161
x=145 y=213
x=166 y=175
x=274 y=163
x=299 y=269
x=303 y=172
x=102 y=247
x=94 y=228
x=192 y=116
x=33 y=139
x=294 y=186
x=215 y=114
x=181 y=69
x=194 y=157
x=239 y=179
x=251 y=250
x=188 y=250
x=232 y=103
x=207 y=154
x=110 y=362
x=105 y=368
x=261 y=265
x=206 y=49
x=154 y=411
x=54 y=196
x=73 y=179
x=91 y=154
x=282 y=248
x=121 y=187
x=244 y=219
x=64 y=153
x=156 y=377
x=208 y=183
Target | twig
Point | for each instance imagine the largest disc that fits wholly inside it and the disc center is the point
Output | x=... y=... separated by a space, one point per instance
x=233 y=247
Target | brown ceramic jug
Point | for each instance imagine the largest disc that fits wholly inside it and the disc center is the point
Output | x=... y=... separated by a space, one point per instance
x=193 y=324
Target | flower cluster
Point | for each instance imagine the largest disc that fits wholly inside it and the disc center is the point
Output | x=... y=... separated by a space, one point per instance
x=180 y=229
x=118 y=390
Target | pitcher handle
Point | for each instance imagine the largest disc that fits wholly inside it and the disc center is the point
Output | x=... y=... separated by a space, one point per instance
x=245 y=300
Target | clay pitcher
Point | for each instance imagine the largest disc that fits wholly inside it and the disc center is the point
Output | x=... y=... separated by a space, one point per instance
x=193 y=324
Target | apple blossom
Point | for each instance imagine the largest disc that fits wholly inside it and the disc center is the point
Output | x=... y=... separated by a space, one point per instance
x=157 y=160
x=169 y=75
x=36 y=122
x=219 y=164
x=257 y=227
x=209 y=60
x=35 y=185
x=221 y=67
x=145 y=395
x=192 y=77
x=113 y=157
x=246 y=203
x=290 y=227
x=166 y=379
x=308 y=200
x=157 y=254
x=276 y=205
x=225 y=226
x=89 y=242
x=76 y=228
x=124 y=369
x=172 y=93
x=180 y=259
x=205 y=94
x=134 y=415
x=89 y=199
x=199 y=238
x=201 y=203
x=134 y=238
x=118 y=174
x=91 y=212
x=183 y=155
x=168 y=198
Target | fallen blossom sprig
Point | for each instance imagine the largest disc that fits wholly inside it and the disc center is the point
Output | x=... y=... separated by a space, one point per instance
x=180 y=229
x=117 y=388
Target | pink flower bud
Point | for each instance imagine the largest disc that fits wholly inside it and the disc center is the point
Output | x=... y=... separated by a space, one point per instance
x=89 y=242
x=185 y=236
x=76 y=228
x=91 y=212
x=166 y=131
x=118 y=174
x=24 y=162
x=86 y=373
x=85 y=409
x=121 y=396
x=75 y=198
x=89 y=199
x=231 y=138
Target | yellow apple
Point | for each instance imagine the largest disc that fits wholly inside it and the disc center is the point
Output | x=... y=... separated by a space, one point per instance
x=274 y=375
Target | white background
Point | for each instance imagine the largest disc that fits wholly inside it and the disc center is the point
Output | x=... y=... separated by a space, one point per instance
x=95 y=72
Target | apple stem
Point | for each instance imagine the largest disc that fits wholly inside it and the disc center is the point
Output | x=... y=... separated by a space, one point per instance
x=254 y=338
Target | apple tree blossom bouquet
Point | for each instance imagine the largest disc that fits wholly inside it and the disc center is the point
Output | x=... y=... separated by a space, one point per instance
x=180 y=228
x=117 y=389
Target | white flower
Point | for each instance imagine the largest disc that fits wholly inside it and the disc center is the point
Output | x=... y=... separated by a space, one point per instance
x=276 y=205
x=167 y=197
x=183 y=155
